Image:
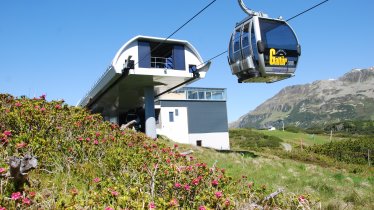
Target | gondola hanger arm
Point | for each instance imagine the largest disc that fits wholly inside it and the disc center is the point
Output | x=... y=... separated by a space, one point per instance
x=250 y=12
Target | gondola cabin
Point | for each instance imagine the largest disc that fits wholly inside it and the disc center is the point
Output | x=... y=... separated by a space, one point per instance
x=263 y=50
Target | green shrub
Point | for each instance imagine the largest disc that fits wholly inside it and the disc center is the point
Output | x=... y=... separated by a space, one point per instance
x=293 y=129
x=86 y=163
x=354 y=151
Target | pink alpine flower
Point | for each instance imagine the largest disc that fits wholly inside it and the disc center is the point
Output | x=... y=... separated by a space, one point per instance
x=18 y=104
x=42 y=97
x=108 y=208
x=196 y=181
x=2 y=208
x=301 y=199
x=7 y=133
x=96 y=179
x=227 y=202
x=114 y=193
x=58 y=106
x=2 y=170
x=26 y=201
x=32 y=194
x=218 y=194
x=202 y=208
x=177 y=185
x=42 y=109
x=174 y=202
x=187 y=187
x=96 y=142
x=15 y=196
x=214 y=183
x=152 y=205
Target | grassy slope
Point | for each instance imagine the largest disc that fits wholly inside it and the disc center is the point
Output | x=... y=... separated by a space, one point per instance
x=335 y=188
x=85 y=163
x=295 y=138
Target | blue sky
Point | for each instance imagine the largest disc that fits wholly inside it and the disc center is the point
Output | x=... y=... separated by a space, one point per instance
x=60 y=48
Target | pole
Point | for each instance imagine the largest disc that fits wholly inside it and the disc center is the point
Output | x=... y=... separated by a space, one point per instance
x=369 y=157
x=330 y=135
x=150 y=119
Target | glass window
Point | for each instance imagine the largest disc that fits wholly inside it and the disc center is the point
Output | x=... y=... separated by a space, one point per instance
x=231 y=53
x=254 y=45
x=237 y=47
x=192 y=95
x=279 y=36
x=208 y=95
x=245 y=41
x=176 y=112
x=171 y=116
x=217 y=96
x=201 y=95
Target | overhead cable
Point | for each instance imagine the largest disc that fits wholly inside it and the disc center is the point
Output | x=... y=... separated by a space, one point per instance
x=172 y=34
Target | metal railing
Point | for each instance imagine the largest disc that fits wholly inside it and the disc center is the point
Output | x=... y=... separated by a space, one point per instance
x=162 y=63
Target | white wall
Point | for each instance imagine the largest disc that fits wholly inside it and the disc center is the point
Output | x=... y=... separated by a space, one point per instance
x=218 y=141
x=177 y=130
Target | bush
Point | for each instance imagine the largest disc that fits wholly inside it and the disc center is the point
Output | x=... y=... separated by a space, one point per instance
x=293 y=129
x=86 y=163
x=350 y=151
x=248 y=139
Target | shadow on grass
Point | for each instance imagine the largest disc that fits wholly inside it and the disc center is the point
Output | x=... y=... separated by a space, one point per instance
x=241 y=152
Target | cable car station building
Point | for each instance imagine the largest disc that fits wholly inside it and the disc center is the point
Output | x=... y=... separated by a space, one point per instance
x=146 y=82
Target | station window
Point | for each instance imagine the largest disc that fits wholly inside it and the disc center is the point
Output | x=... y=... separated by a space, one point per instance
x=201 y=95
x=199 y=143
x=192 y=95
x=161 y=55
x=171 y=116
x=208 y=95
x=176 y=112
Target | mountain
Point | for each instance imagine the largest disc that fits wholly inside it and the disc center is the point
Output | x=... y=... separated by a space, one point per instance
x=351 y=97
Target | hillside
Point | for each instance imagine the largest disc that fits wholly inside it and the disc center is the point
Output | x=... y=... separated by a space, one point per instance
x=351 y=97
x=86 y=163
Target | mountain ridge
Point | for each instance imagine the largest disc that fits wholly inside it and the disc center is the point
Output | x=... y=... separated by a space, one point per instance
x=351 y=96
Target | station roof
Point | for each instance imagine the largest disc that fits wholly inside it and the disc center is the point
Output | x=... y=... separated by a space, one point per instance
x=118 y=89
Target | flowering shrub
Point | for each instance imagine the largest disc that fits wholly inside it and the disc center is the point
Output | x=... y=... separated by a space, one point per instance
x=86 y=162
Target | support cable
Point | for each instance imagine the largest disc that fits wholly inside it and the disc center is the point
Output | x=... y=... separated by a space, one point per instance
x=172 y=34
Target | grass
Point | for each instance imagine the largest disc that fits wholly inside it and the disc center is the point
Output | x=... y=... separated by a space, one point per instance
x=335 y=188
x=295 y=139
